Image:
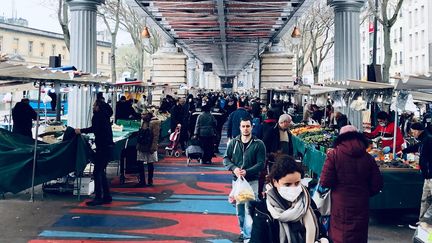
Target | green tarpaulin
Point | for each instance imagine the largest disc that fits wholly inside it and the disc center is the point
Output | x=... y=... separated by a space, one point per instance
x=53 y=160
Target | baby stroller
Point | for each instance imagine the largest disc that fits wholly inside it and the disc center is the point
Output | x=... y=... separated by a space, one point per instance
x=194 y=151
x=172 y=148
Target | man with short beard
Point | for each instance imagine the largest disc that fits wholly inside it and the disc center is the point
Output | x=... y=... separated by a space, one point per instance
x=245 y=157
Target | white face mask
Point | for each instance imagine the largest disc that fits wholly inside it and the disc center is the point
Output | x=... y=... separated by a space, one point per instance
x=290 y=193
x=383 y=124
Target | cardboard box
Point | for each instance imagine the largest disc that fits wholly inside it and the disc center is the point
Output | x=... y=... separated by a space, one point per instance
x=87 y=186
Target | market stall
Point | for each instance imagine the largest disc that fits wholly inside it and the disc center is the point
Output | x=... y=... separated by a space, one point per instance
x=13 y=75
x=402 y=180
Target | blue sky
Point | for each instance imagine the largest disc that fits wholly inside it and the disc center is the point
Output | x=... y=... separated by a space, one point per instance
x=41 y=14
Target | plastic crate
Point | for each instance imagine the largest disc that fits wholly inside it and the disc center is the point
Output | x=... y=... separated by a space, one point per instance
x=129 y=123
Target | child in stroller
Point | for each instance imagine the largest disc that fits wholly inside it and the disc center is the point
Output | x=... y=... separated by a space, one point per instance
x=172 y=148
x=194 y=151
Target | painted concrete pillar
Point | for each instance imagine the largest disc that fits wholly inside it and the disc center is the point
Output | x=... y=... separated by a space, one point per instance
x=277 y=69
x=257 y=74
x=83 y=57
x=169 y=68
x=347 y=38
x=347 y=47
x=191 y=67
x=201 y=83
x=250 y=78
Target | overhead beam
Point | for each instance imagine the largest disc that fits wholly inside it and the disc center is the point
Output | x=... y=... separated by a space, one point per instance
x=221 y=15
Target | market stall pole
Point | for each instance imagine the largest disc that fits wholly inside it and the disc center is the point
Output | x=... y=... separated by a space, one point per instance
x=395 y=130
x=10 y=113
x=35 y=146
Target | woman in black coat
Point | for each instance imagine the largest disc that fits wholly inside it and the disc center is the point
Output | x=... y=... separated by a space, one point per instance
x=288 y=213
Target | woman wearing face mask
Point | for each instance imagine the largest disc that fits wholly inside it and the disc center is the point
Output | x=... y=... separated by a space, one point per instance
x=286 y=214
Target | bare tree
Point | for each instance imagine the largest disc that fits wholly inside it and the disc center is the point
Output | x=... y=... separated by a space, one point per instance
x=63 y=18
x=321 y=35
x=299 y=47
x=316 y=38
x=134 y=24
x=110 y=13
x=387 y=23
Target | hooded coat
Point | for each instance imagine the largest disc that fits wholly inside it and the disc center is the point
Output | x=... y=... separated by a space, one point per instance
x=353 y=176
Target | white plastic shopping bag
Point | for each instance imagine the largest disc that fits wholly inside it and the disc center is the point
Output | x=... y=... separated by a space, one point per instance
x=322 y=201
x=241 y=192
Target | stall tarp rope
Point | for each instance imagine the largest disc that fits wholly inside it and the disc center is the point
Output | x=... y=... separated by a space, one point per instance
x=53 y=160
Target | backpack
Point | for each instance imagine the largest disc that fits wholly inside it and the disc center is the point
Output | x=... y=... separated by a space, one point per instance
x=145 y=140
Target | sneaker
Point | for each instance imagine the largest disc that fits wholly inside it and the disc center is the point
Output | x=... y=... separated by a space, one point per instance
x=413 y=225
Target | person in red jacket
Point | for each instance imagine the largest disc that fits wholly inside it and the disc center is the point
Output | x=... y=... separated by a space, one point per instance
x=385 y=130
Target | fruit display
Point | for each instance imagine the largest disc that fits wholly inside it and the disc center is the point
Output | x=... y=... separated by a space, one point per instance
x=317 y=136
x=300 y=130
x=387 y=161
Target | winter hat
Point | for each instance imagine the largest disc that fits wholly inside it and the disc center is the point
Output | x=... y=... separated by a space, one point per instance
x=417 y=126
x=285 y=117
x=348 y=128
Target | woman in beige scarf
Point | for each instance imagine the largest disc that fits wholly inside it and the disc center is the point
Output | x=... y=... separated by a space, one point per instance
x=286 y=215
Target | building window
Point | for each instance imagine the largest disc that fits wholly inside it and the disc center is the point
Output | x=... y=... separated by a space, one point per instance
x=1 y=43
x=410 y=41
x=411 y=64
x=423 y=40
x=422 y=12
x=42 y=49
x=400 y=58
x=400 y=13
x=395 y=60
x=64 y=52
x=15 y=45
x=53 y=50
x=410 y=19
x=109 y=58
x=30 y=48
x=400 y=34
x=423 y=64
x=416 y=40
x=102 y=57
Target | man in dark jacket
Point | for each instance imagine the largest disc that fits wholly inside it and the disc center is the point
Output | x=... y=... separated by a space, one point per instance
x=424 y=147
x=180 y=115
x=234 y=120
x=268 y=124
x=245 y=157
x=278 y=139
x=23 y=116
x=205 y=130
x=101 y=128
x=124 y=109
